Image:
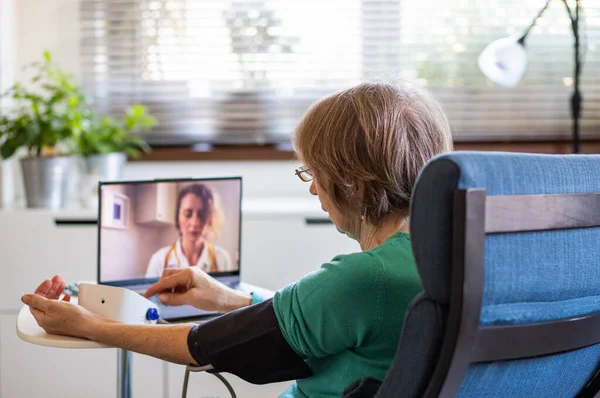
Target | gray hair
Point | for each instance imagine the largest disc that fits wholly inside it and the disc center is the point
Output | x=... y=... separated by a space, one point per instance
x=377 y=134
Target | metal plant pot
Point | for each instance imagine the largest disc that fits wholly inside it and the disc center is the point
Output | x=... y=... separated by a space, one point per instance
x=99 y=167
x=107 y=166
x=46 y=181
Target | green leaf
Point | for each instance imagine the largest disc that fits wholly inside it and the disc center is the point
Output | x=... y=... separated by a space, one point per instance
x=10 y=146
x=54 y=112
x=132 y=152
x=73 y=101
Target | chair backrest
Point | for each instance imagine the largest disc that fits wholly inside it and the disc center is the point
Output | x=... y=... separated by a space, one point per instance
x=508 y=248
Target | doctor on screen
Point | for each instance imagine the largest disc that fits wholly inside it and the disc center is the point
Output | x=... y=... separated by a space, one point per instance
x=197 y=217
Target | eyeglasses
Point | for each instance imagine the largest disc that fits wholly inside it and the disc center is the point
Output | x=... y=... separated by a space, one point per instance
x=304 y=173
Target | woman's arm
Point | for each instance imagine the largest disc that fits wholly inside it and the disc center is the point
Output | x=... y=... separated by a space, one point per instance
x=224 y=262
x=192 y=286
x=167 y=342
x=246 y=342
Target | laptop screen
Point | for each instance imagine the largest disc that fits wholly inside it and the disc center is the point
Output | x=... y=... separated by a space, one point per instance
x=148 y=226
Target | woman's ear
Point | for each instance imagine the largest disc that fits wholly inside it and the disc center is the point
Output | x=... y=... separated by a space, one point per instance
x=360 y=191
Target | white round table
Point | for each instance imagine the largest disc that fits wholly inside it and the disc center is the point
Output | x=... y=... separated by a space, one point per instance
x=29 y=331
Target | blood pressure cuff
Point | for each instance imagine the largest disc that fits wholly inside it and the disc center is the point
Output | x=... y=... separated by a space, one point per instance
x=249 y=344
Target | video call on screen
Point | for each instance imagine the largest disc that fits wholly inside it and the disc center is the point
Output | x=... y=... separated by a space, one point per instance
x=147 y=227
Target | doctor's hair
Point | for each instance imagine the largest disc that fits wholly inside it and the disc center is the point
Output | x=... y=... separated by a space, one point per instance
x=211 y=213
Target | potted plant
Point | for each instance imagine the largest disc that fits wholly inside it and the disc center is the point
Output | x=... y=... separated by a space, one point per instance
x=106 y=143
x=39 y=121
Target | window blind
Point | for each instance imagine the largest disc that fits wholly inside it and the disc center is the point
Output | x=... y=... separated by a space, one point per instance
x=239 y=71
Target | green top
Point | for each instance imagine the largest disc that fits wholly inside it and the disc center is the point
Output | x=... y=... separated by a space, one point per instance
x=345 y=319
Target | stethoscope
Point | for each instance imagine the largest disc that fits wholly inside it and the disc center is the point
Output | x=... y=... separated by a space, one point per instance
x=211 y=255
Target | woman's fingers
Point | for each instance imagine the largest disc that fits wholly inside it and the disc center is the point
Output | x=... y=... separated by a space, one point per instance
x=44 y=288
x=35 y=301
x=170 y=271
x=37 y=305
x=174 y=299
x=51 y=289
x=167 y=283
x=61 y=287
x=58 y=285
x=67 y=298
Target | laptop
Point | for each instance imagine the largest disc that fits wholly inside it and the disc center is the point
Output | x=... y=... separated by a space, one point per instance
x=148 y=226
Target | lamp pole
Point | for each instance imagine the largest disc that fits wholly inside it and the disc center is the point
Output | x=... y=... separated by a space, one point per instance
x=576 y=97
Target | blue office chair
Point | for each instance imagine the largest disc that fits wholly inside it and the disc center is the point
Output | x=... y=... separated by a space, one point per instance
x=508 y=249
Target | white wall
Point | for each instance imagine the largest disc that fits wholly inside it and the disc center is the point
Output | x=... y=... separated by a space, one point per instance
x=27 y=28
x=47 y=25
x=126 y=252
x=7 y=56
x=7 y=45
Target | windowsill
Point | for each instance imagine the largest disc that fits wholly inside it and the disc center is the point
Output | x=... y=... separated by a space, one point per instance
x=219 y=153
x=275 y=153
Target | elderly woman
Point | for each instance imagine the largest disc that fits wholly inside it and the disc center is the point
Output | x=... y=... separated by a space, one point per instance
x=362 y=149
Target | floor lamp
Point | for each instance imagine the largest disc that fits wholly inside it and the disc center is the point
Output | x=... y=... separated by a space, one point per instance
x=504 y=62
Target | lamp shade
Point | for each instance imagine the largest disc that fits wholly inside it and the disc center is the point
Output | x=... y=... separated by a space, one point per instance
x=503 y=61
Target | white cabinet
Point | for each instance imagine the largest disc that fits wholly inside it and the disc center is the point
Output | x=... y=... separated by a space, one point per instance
x=155 y=203
x=28 y=370
x=147 y=377
x=35 y=245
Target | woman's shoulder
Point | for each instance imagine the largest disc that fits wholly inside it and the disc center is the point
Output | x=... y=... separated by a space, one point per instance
x=395 y=244
x=220 y=250
x=370 y=263
x=342 y=261
x=223 y=258
x=364 y=269
x=398 y=243
x=162 y=251
x=156 y=262
x=345 y=270
x=343 y=278
x=222 y=254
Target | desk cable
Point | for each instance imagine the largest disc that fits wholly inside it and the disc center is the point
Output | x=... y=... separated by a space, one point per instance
x=206 y=368
x=189 y=369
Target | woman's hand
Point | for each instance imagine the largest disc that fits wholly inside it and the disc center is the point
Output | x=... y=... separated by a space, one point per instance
x=59 y=317
x=53 y=288
x=194 y=287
